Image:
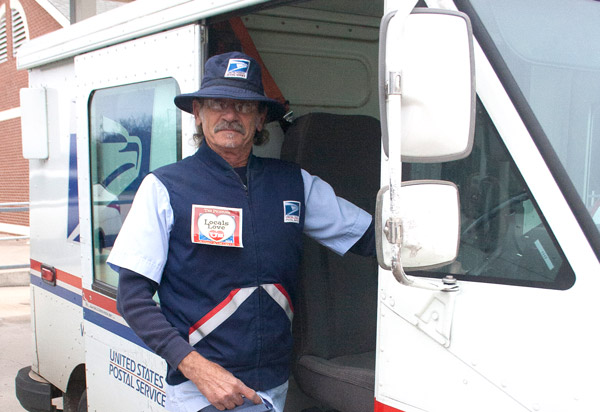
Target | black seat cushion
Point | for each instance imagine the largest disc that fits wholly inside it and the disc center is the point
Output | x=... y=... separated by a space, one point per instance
x=345 y=383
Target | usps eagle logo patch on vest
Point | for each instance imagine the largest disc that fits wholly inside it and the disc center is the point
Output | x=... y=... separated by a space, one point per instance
x=237 y=68
x=217 y=226
x=291 y=211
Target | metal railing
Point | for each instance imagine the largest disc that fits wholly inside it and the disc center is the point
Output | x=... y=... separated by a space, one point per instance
x=12 y=207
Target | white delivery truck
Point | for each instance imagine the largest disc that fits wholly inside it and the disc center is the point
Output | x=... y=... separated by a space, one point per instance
x=483 y=294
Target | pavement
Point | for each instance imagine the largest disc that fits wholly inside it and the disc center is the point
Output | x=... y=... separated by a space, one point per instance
x=16 y=341
x=14 y=253
x=15 y=313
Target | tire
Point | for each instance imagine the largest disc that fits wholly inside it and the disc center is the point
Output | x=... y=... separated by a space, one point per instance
x=83 y=406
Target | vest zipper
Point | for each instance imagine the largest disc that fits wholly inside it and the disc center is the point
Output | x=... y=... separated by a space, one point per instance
x=259 y=342
x=242 y=182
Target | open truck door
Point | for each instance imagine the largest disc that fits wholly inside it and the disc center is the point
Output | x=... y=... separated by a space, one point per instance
x=427 y=105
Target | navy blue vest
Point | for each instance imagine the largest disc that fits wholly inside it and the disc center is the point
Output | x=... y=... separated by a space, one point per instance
x=199 y=280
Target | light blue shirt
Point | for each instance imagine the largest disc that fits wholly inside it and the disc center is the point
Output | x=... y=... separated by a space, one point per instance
x=143 y=242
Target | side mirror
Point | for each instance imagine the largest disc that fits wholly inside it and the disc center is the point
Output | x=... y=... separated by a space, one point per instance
x=428 y=229
x=427 y=85
x=427 y=110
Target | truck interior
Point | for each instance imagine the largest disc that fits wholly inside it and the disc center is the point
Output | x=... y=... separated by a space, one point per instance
x=336 y=312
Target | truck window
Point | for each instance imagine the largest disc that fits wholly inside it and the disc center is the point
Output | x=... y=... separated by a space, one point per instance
x=504 y=239
x=553 y=78
x=134 y=129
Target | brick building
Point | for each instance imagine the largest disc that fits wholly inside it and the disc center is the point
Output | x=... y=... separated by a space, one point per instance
x=20 y=20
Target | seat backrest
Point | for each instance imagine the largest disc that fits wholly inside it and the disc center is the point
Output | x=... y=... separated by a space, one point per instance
x=336 y=311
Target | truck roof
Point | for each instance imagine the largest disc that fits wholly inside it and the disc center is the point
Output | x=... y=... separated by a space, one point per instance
x=133 y=20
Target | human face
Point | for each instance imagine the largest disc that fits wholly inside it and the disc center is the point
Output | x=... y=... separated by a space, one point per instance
x=229 y=125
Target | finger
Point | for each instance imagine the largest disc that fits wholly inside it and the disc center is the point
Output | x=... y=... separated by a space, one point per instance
x=230 y=405
x=238 y=400
x=231 y=400
x=252 y=395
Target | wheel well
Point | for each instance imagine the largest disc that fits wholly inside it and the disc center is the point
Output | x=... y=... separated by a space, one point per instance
x=75 y=388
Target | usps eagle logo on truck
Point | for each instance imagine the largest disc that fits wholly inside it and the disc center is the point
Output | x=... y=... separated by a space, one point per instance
x=238 y=68
x=217 y=226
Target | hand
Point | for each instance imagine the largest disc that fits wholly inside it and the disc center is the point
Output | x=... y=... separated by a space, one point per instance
x=220 y=387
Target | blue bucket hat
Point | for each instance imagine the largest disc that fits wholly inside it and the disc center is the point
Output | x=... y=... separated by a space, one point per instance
x=232 y=75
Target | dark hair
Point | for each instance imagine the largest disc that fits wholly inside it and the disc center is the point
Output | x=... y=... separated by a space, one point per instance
x=260 y=137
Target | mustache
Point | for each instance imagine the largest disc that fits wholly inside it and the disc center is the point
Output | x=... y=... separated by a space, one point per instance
x=233 y=125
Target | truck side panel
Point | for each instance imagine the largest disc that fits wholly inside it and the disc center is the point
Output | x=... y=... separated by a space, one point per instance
x=127 y=126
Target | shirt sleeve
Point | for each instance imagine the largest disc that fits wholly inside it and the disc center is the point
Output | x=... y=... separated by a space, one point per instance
x=143 y=241
x=330 y=220
x=144 y=316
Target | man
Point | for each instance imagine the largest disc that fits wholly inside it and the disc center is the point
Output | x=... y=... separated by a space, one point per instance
x=219 y=235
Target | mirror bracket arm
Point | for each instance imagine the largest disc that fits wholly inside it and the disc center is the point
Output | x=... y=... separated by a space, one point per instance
x=448 y=284
x=394 y=84
x=393 y=230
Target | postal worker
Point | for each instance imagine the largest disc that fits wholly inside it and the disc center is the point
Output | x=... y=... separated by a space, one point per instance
x=219 y=236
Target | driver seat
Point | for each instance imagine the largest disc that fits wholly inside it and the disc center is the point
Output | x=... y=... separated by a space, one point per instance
x=336 y=311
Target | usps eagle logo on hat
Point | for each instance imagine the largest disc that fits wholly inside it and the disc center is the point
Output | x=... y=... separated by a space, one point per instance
x=237 y=68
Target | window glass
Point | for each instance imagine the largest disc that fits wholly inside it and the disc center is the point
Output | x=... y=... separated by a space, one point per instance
x=504 y=238
x=552 y=52
x=134 y=129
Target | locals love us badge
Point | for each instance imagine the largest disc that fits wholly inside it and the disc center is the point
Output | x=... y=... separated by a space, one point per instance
x=217 y=226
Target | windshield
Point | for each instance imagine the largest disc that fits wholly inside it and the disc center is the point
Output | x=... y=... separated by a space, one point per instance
x=552 y=49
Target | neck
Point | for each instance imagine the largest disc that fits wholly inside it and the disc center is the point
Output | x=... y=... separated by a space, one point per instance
x=235 y=160
x=236 y=157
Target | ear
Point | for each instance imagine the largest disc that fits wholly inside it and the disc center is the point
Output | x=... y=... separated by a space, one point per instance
x=260 y=119
x=196 y=108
